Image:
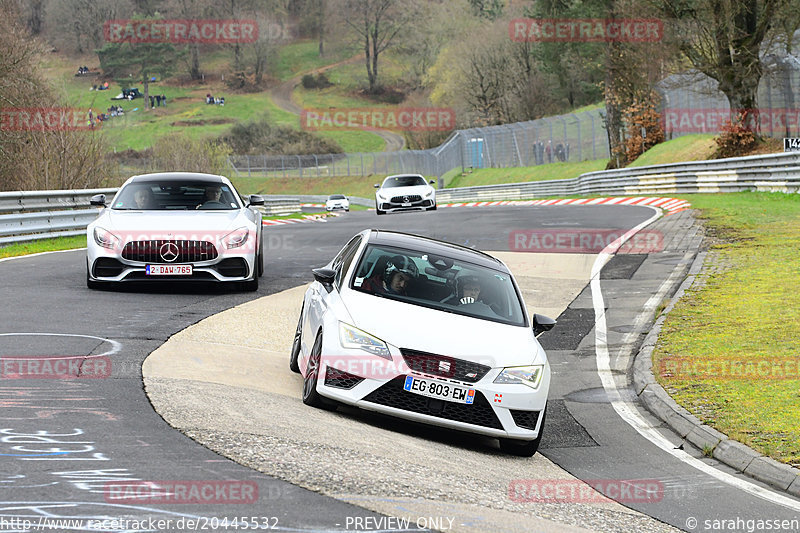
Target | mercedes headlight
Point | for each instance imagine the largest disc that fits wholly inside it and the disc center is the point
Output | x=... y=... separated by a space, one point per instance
x=429 y=193
x=527 y=375
x=351 y=337
x=236 y=238
x=105 y=238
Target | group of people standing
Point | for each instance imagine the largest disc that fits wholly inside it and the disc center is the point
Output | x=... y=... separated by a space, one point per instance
x=158 y=100
x=545 y=153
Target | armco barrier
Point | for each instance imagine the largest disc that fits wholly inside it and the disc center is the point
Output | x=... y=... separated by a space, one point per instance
x=33 y=215
x=40 y=214
x=773 y=172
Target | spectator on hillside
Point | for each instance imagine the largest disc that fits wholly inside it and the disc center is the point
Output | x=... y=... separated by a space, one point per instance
x=163 y=100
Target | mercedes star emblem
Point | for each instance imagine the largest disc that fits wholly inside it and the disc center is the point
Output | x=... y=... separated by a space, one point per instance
x=169 y=251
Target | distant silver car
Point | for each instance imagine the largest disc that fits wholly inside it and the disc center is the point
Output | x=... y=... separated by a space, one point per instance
x=176 y=226
x=337 y=201
x=405 y=192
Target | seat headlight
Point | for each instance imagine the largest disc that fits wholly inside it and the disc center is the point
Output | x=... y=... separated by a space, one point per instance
x=236 y=238
x=527 y=375
x=352 y=337
x=105 y=238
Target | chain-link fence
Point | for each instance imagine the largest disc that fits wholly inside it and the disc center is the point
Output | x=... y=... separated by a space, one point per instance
x=571 y=137
x=692 y=103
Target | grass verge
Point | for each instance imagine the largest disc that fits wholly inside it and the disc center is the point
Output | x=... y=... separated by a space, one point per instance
x=728 y=351
x=44 y=245
x=550 y=171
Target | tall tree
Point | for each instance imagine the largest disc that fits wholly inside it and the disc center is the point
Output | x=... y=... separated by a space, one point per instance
x=488 y=9
x=376 y=24
x=140 y=62
x=722 y=39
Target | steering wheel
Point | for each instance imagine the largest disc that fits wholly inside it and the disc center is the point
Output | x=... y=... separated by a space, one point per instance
x=211 y=204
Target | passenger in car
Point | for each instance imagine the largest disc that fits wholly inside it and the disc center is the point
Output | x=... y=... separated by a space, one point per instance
x=399 y=272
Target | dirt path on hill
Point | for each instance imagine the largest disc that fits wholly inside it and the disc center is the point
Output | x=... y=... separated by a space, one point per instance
x=282 y=96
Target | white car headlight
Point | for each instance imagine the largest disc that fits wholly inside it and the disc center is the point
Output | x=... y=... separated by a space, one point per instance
x=105 y=238
x=351 y=337
x=429 y=193
x=382 y=197
x=236 y=238
x=528 y=375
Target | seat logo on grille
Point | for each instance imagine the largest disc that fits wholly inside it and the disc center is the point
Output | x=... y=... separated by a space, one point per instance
x=169 y=251
x=444 y=366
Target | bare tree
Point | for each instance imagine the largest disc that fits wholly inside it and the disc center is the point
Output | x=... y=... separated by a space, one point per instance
x=722 y=39
x=31 y=159
x=77 y=25
x=376 y=24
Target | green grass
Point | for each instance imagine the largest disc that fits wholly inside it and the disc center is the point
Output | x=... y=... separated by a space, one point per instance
x=351 y=186
x=186 y=113
x=685 y=148
x=300 y=57
x=44 y=245
x=747 y=314
x=550 y=171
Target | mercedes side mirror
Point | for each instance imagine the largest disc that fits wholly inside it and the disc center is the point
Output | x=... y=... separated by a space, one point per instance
x=98 y=199
x=255 y=199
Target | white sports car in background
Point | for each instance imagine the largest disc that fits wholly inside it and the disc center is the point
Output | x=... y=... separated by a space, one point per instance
x=427 y=331
x=175 y=226
x=337 y=201
x=405 y=192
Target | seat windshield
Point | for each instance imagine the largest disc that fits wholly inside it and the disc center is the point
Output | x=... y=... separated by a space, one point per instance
x=404 y=181
x=439 y=282
x=176 y=195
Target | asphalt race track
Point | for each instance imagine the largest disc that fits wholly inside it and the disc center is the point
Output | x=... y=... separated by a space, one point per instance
x=63 y=443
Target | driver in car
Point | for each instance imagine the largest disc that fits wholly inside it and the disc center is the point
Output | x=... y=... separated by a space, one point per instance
x=468 y=290
x=399 y=272
x=211 y=196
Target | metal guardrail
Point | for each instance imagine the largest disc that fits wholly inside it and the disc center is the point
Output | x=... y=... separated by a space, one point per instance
x=32 y=215
x=774 y=172
x=43 y=214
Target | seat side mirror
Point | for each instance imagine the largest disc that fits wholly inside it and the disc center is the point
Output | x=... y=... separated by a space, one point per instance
x=325 y=276
x=542 y=323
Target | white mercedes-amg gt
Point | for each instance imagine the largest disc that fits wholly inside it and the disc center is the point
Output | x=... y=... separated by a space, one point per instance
x=428 y=331
x=405 y=192
x=175 y=226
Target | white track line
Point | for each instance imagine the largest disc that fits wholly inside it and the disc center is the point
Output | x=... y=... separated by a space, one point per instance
x=628 y=412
